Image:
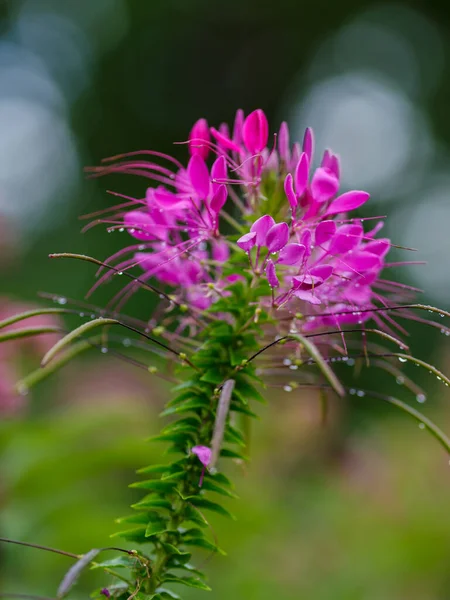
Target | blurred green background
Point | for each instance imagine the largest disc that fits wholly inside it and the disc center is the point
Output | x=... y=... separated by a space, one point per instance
x=354 y=510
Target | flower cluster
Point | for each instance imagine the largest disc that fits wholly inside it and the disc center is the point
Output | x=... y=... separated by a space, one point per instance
x=262 y=197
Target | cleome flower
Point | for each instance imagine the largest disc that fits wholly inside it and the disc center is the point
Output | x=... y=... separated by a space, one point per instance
x=260 y=197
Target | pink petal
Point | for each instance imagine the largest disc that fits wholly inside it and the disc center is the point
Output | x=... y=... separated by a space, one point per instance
x=218 y=173
x=295 y=157
x=142 y=224
x=291 y=254
x=346 y=238
x=277 y=237
x=348 y=201
x=308 y=144
x=261 y=226
x=199 y=133
x=224 y=141
x=380 y=247
x=199 y=176
x=166 y=199
x=289 y=191
x=324 y=185
x=247 y=241
x=283 y=142
x=255 y=131
x=324 y=232
x=219 y=199
x=307 y=296
x=322 y=271
x=271 y=275
x=362 y=261
x=302 y=174
x=203 y=453
x=305 y=239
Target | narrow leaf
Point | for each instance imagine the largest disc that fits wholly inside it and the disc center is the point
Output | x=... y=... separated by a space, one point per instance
x=314 y=353
x=70 y=337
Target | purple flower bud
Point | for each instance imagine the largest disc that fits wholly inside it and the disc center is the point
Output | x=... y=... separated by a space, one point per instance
x=105 y=592
x=199 y=176
x=199 y=133
x=203 y=454
x=218 y=173
x=247 y=241
x=219 y=199
x=271 y=275
x=283 y=142
x=277 y=237
x=261 y=226
x=255 y=131
x=289 y=191
x=308 y=144
x=302 y=174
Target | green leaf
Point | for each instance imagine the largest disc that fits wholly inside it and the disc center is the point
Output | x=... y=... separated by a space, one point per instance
x=155 y=528
x=227 y=453
x=212 y=487
x=137 y=534
x=152 y=504
x=193 y=405
x=32 y=313
x=205 y=504
x=212 y=376
x=119 y=562
x=27 y=332
x=73 y=335
x=154 y=484
x=189 y=581
x=314 y=353
x=201 y=542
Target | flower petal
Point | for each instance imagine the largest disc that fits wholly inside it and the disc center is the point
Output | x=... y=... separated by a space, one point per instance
x=199 y=176
x=277 y=237
x=308 y=144
x=255 y=131
x=291 y=254
x=324 y=232
x=289 y=191
x=247 y=241
x=224 y=141
x=348 y=201
x=203 y=453
x=199 y=133
x=218 y=173
x=261 y=226
x=302 y=174
x=324 y=185
x=271 y=275
x=219 y=199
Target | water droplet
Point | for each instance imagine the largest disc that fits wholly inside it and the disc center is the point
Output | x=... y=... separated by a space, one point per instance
x=121 y=229
x=352 y=391
x=61 y=300
x=92 y=316
x=81 y=314
x=402 y=359
x=400 y=380
x=119 y=272
x=104 y=350
x=350 y=362
x=126 y=342
x=421 y=398
x=22 y=389
x=287 y=362
x=361 y=393
x=441 y=315
x=287 y=388
x=421 y=425
x=345 y=358
x=293 y=367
